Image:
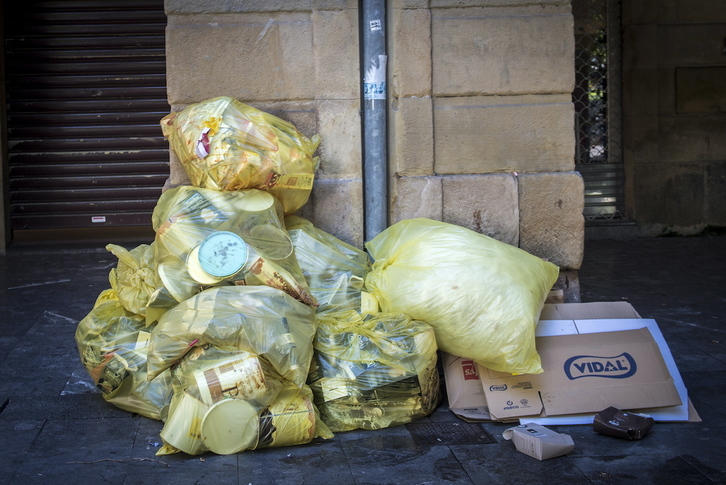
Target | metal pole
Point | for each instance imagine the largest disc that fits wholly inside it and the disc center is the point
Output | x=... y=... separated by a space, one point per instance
x=373 y=70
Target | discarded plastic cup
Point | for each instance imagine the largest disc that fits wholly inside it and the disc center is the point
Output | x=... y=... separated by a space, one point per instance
x=230 y=426
x=181 y=429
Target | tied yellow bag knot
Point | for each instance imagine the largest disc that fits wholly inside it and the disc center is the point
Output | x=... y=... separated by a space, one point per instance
x=483 y=297
x=135 y=278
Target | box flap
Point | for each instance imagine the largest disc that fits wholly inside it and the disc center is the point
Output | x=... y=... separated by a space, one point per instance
x=463 y=388
x=585 y=311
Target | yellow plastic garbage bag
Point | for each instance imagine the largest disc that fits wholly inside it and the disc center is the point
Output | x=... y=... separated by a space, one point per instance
x=231 y=401
x=135 y=278
x=257 y=319
x=334 y=270
x=373 y=371
x=483 y=297
x=208 y=238
x=113 y=343
x=224 y=144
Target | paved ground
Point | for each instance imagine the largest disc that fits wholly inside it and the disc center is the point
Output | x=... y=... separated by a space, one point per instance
x=56 y=428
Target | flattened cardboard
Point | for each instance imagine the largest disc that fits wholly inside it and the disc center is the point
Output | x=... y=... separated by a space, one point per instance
x=585 y=373
x=539 y=442
x=558 y=319
x=463 y=388
x=681 y=413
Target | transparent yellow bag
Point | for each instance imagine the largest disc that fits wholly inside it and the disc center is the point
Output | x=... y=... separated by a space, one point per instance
x=483 y=297
x=334 y=270
x=208 y=238
x=224 y=144
x=257 y=319
x=113 y=343
x=373 y=371
x=231 y=401
x=135 y=278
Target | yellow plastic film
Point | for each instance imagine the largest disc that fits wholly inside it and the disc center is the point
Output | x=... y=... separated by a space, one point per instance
x=224 y=144
x=372 y=372
x=334 y=270
x=483 y=297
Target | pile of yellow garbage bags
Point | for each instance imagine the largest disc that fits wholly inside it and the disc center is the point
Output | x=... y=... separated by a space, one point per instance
x=244 y=326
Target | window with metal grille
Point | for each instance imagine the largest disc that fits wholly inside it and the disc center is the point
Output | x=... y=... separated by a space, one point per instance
x=597 y=100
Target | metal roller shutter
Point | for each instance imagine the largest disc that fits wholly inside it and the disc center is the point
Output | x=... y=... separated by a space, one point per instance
x=85 y=90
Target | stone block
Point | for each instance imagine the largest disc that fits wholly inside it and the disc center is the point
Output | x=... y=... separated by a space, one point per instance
x=640 y=138
x=695 y=137
x=487 y=204
x=669 y=193
x=690 y=45
x=177 y=174
x=413 y=197
x=552 y=226
x=336 y=206
x=487 y=134
x=228 y=6
x=251 y=57
x=701 y=89
x=339 y=126
x=640 y=92
x=336 y=53
x=410 y=53
x=247 y=6
x=302 y=114
x=640 y=11
x=396 y=4
x=666 y=89
x=640 y=46
x=334 y=4
x=703 y=12
x=411 y=136
x=488 y=3
x=715 y=194
x=519 y=51
x=566 y=289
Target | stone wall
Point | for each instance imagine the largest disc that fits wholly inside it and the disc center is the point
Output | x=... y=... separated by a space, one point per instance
x=674 y=93
x=295 y=59
x=481 y=123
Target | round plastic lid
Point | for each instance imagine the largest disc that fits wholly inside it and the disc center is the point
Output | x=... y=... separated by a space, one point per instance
x=271 y=240
x=194 y=267
x=256 y=200
x=230 y=426
x=222 y=254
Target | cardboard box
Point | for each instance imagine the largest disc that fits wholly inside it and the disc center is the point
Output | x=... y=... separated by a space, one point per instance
x=469 y=402
x=584 y=373
x=539 y=442
x=464 y=390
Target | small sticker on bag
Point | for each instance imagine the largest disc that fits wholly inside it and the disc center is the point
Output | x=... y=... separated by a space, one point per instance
x=302 y=181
